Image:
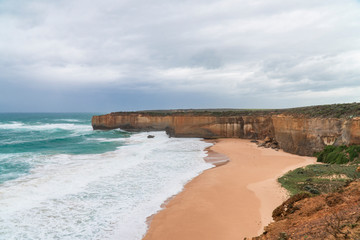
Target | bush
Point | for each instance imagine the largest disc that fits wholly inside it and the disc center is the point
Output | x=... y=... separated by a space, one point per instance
x=339 y=155
x=354 y=152
x=321 y=156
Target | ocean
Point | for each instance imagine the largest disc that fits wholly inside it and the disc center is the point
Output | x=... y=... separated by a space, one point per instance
x=59 y=179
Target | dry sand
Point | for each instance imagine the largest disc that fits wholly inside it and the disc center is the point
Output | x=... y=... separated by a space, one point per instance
x=232 y=201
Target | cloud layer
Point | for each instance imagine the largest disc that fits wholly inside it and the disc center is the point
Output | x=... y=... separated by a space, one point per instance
x=287 y=53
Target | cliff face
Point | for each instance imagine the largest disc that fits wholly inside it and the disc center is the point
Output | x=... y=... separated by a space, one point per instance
x=303 y=136
x=299 y=135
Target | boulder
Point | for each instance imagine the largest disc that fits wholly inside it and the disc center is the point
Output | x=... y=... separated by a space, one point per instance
x=150 y=136
x=267 y=139
x=273 y=145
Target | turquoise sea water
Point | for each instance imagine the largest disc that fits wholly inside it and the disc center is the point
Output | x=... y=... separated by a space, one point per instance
x=59 y=179
x=23 y=135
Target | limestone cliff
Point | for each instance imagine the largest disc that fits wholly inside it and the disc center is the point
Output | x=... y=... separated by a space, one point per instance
x=295 y=134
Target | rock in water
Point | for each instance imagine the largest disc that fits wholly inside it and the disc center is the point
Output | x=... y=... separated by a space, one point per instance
x=150 y=136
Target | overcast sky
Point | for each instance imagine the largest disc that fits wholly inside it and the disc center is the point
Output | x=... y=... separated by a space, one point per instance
x=110 y=55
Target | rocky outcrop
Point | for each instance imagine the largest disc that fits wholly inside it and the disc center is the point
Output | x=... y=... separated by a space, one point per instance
x=294 y=134
x=328 y=216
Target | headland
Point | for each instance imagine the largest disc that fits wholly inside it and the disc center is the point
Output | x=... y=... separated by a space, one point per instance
x=301 y=131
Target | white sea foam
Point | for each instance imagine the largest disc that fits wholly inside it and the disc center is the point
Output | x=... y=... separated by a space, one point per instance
x=105 y=139
x=68 y=120
x=44 y=127
x=99 y=196
x=12 y=125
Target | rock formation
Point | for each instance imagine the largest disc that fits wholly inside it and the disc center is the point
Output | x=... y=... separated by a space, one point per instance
x=327 y=216
x=295 y=134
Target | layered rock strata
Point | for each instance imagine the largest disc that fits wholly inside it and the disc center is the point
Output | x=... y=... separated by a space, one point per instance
x=295 y=134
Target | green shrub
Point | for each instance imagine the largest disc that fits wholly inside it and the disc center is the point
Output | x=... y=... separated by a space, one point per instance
x=321 y=156
x=353 y=152
x=339 y=155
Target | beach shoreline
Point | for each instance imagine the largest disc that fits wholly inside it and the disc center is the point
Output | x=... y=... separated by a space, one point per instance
x=228 y=202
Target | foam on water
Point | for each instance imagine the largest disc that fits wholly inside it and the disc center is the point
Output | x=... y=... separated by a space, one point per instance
x=11 y=125
x=105 y=139
x=68 y=120
x=47 y=126
x=98 y=196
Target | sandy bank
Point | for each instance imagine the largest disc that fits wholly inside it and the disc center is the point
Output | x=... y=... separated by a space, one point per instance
x=232 y=201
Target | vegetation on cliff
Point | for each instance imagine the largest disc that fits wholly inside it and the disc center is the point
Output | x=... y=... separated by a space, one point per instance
x=346 y=110
x=324 y=202
x=339 y=154
x=209 y=112
x=318 y=178
x=341 y=165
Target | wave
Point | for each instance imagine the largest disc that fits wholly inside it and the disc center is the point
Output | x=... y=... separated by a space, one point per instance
x=11 y=125
x=45 y=126
x=105 y=139
x=68 y=120
x=99 y=196
x=13 y=166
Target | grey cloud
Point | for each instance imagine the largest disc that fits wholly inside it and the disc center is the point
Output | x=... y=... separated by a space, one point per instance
x=239 y=48
x=208 y=58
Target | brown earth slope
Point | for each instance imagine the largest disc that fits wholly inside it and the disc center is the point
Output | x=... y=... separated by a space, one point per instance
x=328 y=216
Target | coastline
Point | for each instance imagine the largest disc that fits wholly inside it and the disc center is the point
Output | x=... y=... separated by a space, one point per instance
x=228 y=202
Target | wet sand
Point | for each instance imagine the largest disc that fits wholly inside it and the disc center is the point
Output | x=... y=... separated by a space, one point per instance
x=232 y=201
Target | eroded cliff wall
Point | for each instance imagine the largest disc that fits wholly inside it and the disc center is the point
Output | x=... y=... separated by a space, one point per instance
x=299 y=135
x=304 y=136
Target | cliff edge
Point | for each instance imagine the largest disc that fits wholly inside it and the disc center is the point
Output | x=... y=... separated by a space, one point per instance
x=301 y=131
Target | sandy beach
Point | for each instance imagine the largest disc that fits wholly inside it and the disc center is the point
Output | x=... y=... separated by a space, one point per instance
x=231 y=201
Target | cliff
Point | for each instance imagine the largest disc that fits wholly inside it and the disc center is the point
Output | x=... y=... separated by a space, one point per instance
x=299 y=134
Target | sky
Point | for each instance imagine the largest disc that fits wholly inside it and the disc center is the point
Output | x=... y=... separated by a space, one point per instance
x=119 y=55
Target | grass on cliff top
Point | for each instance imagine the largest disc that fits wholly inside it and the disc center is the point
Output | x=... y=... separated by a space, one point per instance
x=345 y=110
x=209 y=112
x=318 y=178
